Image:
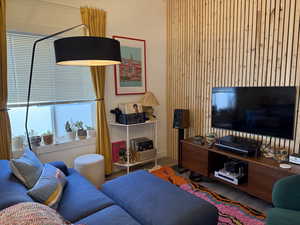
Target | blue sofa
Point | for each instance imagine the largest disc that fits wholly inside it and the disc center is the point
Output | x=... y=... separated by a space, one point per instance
x=135 y=199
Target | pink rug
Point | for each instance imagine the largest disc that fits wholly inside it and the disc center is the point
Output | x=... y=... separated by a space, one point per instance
x=230 y=212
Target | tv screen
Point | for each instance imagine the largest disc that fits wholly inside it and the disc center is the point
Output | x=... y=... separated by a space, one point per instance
x=259 y=110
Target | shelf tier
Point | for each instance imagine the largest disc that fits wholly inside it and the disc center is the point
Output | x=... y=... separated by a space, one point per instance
x=131 y=125
x=135 y=163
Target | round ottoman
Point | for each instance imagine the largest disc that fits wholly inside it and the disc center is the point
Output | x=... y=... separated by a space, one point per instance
x=91 y=166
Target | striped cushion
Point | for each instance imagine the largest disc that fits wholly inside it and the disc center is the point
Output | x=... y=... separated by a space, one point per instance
x=49 y=188
x=30 y=213
x=27 y=168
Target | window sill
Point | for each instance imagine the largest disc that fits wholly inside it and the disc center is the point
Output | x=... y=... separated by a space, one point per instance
x=43 y=149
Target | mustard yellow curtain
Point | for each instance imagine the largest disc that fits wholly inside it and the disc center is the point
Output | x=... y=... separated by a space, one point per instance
x=95 y=19
x=5 y=132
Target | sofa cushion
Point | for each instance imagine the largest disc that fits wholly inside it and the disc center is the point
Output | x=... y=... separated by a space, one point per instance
x=112 y=215
x=30 y=213
x=49 y=188
x=28 y=168
x=81 y=198
x=153 y=201
x=12 y=191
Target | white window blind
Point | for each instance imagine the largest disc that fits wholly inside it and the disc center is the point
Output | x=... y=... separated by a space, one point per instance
x=51 y=82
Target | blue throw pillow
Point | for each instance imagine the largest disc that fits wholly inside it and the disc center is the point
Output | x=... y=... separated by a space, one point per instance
x=27 y=168
x=49 y=188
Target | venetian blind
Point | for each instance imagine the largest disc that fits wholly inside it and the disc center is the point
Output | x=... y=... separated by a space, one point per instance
x=51 y=82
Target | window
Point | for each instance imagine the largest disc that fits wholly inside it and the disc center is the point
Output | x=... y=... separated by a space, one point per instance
x=59 y=93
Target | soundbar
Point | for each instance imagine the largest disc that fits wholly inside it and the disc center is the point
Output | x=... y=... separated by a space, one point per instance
x=239 y=145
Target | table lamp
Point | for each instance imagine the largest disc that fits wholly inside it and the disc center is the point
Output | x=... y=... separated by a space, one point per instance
x=77 y=51
x=148 y=102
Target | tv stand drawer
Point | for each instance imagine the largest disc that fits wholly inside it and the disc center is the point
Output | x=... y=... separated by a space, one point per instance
x=195 y=159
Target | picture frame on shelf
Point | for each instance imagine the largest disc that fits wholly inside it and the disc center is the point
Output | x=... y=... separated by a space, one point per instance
x=116 y=148
x=130 y=76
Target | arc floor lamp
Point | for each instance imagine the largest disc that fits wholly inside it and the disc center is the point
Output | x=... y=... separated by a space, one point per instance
x=77 y=51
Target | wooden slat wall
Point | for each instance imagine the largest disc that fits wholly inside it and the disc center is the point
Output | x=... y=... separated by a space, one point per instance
x=219 y=43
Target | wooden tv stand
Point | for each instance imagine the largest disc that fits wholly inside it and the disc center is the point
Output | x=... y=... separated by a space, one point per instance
x=262 y=172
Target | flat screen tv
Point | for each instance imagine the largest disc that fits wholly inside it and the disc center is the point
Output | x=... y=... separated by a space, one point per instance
x=258 y=110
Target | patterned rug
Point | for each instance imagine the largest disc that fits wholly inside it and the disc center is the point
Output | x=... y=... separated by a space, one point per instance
x=230 y=212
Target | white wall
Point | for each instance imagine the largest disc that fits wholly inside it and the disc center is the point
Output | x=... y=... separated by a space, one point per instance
x=141 y=19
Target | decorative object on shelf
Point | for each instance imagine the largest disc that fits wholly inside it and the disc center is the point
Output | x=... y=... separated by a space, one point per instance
x=80 y=51
x=48 y=138
x=281 y=155
x=130 y=75
x=116 y=148
x=18 y=142
x=81 y=132
x=131 y=108
x=285 y=166
x=91 y=132
x=211 y=139
x=200 y=140
x=70 y=129
x=149 y=101
x=35 y=140
x=123 y=156
x=267 y=151
x=141 y=144
x=132 y=118
x=181 y=121
x=146 y=154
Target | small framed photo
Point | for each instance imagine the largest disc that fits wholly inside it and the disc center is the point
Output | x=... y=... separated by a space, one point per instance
x=130 y=75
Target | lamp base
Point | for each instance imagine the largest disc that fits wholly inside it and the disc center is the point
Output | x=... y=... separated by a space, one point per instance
x=179 y=169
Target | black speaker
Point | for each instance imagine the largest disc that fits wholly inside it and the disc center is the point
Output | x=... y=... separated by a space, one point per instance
x=180 y=122
x=181 y=118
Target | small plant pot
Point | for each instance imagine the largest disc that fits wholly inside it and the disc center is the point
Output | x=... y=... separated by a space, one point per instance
x=91 y=133
x=81 y=134
x=71 y=135
x=36 y=141
x=48 y=139
x=17 y=142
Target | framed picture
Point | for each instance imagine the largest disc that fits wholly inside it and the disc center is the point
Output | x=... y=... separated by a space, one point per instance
x=130 y=75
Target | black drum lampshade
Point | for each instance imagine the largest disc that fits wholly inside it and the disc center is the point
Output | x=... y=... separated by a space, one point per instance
x=87 y=51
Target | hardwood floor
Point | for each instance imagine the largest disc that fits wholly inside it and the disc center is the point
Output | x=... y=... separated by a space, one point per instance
x=220 y=188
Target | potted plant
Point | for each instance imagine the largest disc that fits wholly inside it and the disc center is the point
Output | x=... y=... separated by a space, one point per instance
x=35 y=139
x=69 y=128
x=48 y=138
x=81 y=132
x=18 y=142
x=91 y=132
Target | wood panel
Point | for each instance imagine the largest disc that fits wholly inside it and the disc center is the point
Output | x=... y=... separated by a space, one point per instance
x=195 y=160
x=222 y=43
x=261 y=180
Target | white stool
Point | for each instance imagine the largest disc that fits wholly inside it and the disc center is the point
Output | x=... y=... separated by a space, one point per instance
x=91 y=167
